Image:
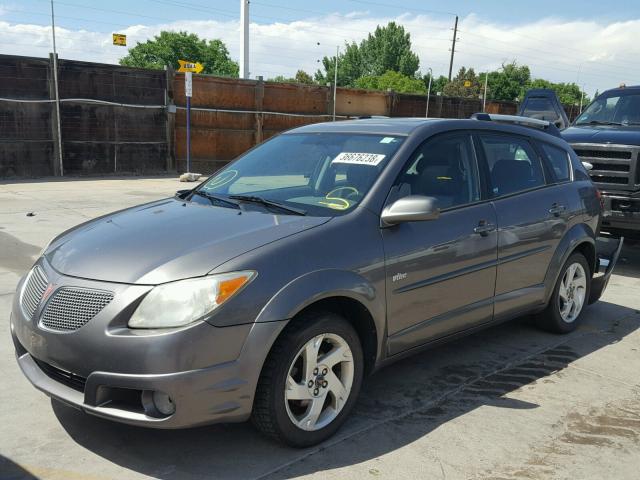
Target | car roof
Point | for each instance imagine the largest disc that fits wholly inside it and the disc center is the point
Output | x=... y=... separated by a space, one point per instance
x=383 y=126
x=401 y=126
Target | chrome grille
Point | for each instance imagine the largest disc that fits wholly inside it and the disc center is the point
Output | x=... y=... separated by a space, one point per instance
x=614 y=166
x=32 y=291
x=70 y=308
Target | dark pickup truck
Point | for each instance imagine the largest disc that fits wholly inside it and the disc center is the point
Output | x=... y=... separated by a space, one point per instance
x=606 y=137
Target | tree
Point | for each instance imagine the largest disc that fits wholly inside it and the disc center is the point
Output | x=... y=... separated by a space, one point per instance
x=169 y=47
x=300 y=77
x=509 y=83
x=465 y=84
x=387 y=49
x=391 y=80
x=437 y=84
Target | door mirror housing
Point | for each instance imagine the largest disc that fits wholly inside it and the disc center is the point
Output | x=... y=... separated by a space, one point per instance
x=414 y=208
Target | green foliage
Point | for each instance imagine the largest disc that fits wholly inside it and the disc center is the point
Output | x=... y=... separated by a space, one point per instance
x=437 y=84
x=391 y=80
x=300 y=77
x=509 y=83
x=458 y=86
x=387 y=49
x=169 y=47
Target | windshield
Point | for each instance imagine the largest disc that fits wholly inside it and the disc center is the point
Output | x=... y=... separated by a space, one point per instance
x=613 y=110
x=322 y=174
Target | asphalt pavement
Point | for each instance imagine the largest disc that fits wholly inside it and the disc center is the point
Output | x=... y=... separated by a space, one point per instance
x=511 y=402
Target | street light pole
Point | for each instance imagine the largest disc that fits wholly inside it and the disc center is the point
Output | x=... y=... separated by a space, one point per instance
x=55 y=82
x=426 y=114
x=484 y=95
x=335 y=83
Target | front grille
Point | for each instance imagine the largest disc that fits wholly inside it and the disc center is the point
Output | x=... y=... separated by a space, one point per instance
x=604 y=154
x=605 y=179
x=70 y=308
x=66 y=378
x=614 y=166
x=33 y=290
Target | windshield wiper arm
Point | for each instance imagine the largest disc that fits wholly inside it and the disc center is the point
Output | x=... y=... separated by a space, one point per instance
x=215 y=198
x=268 y=203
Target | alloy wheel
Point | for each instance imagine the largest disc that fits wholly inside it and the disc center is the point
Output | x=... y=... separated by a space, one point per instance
x=572 y=292
x=319 y=382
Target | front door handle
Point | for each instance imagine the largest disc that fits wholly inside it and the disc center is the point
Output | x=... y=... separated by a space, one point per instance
x=557 y=209
x=484 y=228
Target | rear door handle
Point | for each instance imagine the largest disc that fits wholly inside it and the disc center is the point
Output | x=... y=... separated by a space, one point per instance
x=556 y=209
x=484 y=228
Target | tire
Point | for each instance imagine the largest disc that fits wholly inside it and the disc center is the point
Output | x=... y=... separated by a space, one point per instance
x=286 y=402
x=559 y=316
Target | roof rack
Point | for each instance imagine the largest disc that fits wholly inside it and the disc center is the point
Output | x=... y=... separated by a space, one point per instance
x=544 y=125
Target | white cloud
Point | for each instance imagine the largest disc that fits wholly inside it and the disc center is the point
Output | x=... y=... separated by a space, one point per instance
x=596 y=54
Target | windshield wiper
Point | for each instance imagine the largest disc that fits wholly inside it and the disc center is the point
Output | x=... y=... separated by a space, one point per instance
x=215 y=198
x=268 y=203
x=599 y=122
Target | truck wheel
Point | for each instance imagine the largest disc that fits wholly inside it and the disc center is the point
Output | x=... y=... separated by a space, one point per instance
x=310 y=380
x=569 y=297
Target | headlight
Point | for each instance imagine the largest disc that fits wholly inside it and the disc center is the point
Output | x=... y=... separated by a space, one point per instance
x=179 y=303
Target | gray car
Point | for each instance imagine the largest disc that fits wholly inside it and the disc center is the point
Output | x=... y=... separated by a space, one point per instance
x=273 y=288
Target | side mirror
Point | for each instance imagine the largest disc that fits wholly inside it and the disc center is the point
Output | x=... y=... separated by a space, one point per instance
x=588 y=166
x=414 y=208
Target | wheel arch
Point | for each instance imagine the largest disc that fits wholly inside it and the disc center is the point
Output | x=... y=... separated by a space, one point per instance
x=342 y=292
x=579 y=238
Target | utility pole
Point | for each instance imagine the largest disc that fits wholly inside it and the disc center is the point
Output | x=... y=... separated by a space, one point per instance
x=244 y=38
x=335 y=83
x=426 y=113
x=453 y=46
x=55 y=81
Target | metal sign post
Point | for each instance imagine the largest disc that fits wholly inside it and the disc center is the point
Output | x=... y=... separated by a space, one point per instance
x=188 y=91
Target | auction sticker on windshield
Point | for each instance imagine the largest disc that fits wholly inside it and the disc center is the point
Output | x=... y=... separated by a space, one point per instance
x=355 y=158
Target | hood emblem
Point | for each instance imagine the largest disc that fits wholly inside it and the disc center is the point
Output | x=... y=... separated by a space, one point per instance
x=47 y=292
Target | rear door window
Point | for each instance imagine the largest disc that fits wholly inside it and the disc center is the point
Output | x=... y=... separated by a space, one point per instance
x=558 y=160
x=513 y=164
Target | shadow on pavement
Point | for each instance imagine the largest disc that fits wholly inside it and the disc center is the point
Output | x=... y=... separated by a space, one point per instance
x=13 y=471
x=629 y=262
x=423 y=392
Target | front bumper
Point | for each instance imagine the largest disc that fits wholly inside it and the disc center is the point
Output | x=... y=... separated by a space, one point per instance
x=103 y=368
x=621 y=213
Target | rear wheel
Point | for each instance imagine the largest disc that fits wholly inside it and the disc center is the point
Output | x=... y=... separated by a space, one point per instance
x=310 y=380
x=569 y=296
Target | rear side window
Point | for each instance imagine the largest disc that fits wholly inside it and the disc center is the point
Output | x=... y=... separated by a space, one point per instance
x=513 y=164
x=559 y=161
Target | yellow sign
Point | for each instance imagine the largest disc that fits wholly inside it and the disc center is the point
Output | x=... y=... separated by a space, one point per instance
x=190 y=66
x=467 y=83
x=120 y=39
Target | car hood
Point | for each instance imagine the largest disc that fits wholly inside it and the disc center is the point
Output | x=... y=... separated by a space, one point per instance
x=167 y=240
x=603 y=134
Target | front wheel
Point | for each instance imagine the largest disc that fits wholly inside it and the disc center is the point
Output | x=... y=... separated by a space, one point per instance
x=310 y=380
x=569 y=297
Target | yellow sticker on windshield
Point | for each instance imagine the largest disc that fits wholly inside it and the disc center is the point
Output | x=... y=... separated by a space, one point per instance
x=356 y=158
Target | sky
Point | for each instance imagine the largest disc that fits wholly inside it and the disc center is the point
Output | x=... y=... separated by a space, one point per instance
x=592 y=43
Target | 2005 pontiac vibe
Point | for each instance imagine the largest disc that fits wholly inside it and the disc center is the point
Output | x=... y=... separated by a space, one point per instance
x=270 y=290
